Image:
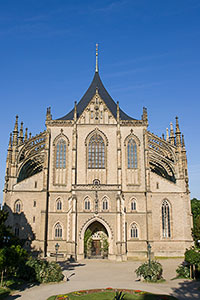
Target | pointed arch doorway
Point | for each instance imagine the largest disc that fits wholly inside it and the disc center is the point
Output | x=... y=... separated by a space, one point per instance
x=96 y=241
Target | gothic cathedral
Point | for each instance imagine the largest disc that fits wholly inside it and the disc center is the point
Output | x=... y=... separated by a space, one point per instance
x=99 y=184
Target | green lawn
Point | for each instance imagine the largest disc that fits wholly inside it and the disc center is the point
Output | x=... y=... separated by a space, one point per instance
x=109 y=295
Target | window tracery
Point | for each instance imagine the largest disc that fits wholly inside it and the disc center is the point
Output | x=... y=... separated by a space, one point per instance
x=132 y=154
x=133 y=205
x=96 y=152
x=166 y=226
x=18 y=206
x=87 y=205
x=134 y=231
x=58 y=230
x=58 y=204
x=105 y=204
x=61 y=154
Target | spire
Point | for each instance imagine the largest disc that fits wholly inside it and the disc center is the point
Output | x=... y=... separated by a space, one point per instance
x=172 y=137
x=163 y=136
x=26 y=135
x=178 y=133
x=75 y=111
x=183 y=142
x=10 y=142
x=30 y=135
x=15 y=132
x=167 y=134
x=48 y=114
x=21 y=134
x=97 y=67
x=118 y=111
x=144 y=115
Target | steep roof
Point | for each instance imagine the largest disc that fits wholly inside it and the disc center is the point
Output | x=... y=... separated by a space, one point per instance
x=82 y=104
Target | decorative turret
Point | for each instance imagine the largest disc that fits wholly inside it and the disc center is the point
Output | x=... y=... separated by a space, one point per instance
x=48 y=114
x=178 y=134
x=167 y=134
x=26 y=135
x=172 y=137
x=9 y=155
x=30 y=135
x=21 y=137
x=144 y=115
x=75 y=111
x=118 y=118
x=183 y=142
x=15 y=133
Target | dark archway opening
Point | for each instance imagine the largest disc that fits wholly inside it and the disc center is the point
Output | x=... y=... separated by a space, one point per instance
x=96 y=241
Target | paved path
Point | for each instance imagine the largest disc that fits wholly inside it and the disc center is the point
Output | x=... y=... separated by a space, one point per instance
x=89 y=274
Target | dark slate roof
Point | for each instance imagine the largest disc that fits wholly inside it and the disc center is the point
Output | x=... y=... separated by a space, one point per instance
x=82 y=104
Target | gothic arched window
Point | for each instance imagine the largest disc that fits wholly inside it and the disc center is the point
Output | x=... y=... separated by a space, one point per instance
x=18 y=206
x=16 y=230
x=133 y=205
x=96 y=152
x=87 y=204
x=132 y=154
x=134 y=231
x=61 y=154
x=58 y=204
x=58 y=230
x=166 y=230
x=105 y=204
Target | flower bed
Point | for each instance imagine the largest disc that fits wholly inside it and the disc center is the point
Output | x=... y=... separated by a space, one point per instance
x=109 y=293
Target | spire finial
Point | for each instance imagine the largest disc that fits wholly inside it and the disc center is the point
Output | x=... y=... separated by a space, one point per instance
x=97 y=68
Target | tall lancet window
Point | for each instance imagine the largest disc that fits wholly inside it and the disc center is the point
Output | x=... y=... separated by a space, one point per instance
x=166 y=228
x=61 y=154
x=132 y=154
x=96 y=152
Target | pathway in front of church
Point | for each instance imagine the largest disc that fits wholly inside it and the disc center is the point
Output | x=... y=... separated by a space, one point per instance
x=88 y=274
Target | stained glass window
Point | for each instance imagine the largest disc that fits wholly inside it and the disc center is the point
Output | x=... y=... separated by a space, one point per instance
x=87 y=204
x=96 y=153
x=132 y=154
x=105 y=204
x=59 y=205
x=166 y=230
x=18 y=206
x=61 y=154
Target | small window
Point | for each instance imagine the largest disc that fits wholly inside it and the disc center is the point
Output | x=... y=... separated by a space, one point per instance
x=157 y=185
x=87 y=204
x=58 y=231
x=59 y=205
x=133 y=205
x=35 y=184
x=17 y=231
x=91 y=114
x=134 y=231
x=18 y=206
x=105 y=204
x=34 y=219
x=34 y=203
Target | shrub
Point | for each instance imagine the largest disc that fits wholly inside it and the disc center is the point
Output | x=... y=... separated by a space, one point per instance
x=150 y=271
x=192 y=256
x=45 y=271
x=119 y=296
x=183 y=271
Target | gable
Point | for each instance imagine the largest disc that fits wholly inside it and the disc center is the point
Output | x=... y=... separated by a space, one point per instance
x=96 y=112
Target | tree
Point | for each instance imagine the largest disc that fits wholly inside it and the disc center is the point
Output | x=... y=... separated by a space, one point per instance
x=195 y=206
x=7 y=238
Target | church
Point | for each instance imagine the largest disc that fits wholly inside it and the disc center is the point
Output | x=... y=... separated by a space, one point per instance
x=98 y=184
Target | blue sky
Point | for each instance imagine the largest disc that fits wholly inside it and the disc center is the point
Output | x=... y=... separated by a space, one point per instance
x=149 y=55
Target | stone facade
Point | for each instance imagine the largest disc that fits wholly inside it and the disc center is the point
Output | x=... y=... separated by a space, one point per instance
x=99 y=172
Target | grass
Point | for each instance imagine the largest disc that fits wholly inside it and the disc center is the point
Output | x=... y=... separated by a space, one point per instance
x=109 y=295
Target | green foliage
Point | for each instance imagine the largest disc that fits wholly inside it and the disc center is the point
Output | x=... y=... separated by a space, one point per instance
x=192 y=256
x=7 y=238
x=183 y=271
x=88 y=234
x=150 y=272
x=45 y=271
x=195 y=206
x=119 y=296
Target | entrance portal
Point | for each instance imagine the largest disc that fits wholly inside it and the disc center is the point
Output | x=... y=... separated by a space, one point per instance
x=96 y=241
